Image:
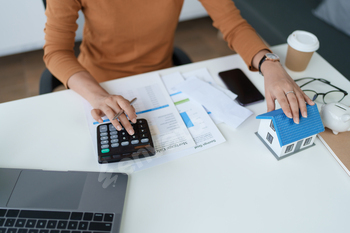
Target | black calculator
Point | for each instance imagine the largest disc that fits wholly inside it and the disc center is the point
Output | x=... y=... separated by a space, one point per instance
x=114 y=146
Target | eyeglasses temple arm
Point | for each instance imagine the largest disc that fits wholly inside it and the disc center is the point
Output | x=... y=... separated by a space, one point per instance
x=305 y=83
x=338 y=88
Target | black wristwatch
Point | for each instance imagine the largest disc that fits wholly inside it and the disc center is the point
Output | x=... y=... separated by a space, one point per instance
x=268 y=57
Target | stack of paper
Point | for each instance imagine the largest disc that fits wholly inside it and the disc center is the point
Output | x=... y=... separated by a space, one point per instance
x=173 y=107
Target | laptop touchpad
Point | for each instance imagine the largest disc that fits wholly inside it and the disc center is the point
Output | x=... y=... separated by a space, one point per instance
x=45 y=189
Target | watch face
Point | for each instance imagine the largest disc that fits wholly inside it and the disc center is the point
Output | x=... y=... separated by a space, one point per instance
x=272 y=56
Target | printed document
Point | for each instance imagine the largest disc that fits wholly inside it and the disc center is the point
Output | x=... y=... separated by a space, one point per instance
x=199 y=124
x=217 y=102
x=204 y=75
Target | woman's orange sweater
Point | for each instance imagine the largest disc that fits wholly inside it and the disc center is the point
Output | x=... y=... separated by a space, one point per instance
x=127 y=37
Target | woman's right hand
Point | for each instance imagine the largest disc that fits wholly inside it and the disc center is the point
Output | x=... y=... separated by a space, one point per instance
x=102 y=102
x=111 y=105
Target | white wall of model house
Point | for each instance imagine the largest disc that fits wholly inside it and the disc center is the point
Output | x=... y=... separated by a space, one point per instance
x=265 y=129
x=22 y=24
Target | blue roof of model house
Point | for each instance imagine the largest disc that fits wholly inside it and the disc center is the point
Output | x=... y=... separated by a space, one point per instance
x=288 y=132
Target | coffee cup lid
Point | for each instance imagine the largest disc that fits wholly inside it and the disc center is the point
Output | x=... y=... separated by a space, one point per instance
x=303 y=41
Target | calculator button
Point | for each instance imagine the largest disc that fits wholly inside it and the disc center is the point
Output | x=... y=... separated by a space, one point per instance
x=114 y=140
x=125 y=143
x=103 y=128
x=103 y=134
x=143 y=131
x=142 y=126
x=123 y=133
x=105 y=151
x=117 y=156
x=112 y=128
x=144 y=140
x=134 y=142
x=114 y=133
x=104 y=158
x=134 y=137
x=143 y=135
x=104 y=146
x=126 y=155
x=125 y=138
x=104 y=138
x=140 y=121
x=115 y=145
x=104 y=142
x=114 y=136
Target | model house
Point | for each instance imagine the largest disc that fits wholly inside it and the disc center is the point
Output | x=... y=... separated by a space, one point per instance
x=283 y=137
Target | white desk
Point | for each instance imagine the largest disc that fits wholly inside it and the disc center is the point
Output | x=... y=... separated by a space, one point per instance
x=237 y=186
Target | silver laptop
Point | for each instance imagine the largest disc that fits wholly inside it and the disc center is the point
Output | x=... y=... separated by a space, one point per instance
x=37 y=201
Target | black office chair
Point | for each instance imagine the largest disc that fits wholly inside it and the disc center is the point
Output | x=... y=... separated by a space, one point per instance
x=48 y=82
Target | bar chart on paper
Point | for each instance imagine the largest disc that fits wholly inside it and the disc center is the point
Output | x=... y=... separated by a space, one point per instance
x=195 y=117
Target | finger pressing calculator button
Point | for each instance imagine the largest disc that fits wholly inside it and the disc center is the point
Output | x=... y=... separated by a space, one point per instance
x=134 y=142
x=125 y=143
x=104 y=138
x=103 y=128
x=104 y=142
x=115 y=145
x=144 y=140
x=104 y=146
x=114 y=140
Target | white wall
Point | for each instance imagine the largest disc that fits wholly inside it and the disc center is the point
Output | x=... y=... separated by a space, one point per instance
x=22 y=24
x=192 y=9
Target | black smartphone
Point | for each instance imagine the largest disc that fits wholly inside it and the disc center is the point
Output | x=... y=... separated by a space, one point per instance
x=236 y=81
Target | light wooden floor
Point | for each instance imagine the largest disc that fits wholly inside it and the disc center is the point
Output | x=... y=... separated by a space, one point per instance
x=20 y=73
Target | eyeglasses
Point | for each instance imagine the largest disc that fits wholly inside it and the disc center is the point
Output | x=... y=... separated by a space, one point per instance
x=328 y=97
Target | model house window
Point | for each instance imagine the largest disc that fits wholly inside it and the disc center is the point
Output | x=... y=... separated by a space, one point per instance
x=307 y=141
x=269 y=138
x=272 y=126
x=289 y=148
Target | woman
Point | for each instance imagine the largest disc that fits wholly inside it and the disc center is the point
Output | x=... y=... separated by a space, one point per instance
x=123 y=38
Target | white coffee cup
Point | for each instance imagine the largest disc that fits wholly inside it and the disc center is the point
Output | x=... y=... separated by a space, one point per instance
x=301 y=46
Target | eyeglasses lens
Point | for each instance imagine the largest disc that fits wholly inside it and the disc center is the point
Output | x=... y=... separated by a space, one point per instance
x=333 y=96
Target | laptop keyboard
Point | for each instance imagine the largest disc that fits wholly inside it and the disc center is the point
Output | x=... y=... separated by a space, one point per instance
x=33 y=221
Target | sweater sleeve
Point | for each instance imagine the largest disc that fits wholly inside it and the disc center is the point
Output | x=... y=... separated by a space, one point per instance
x=240 y=36
x=60 y=30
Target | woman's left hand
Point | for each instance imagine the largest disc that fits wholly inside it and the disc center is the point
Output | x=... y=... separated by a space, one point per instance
x=281 y=87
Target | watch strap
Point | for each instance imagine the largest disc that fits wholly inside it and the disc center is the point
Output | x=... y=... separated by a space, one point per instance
x=261 y=62
x=266 y=57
